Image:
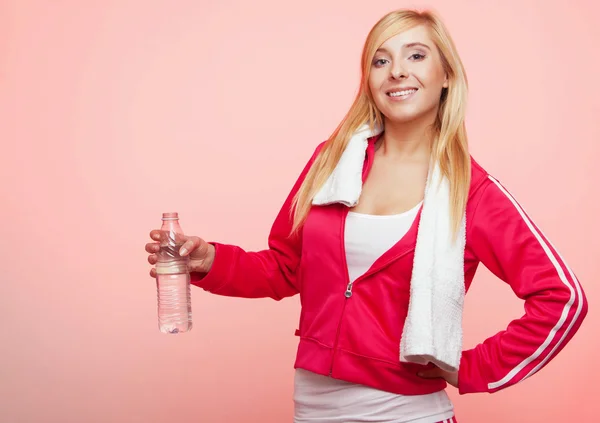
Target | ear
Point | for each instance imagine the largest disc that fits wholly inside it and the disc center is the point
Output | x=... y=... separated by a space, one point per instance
x=445 y=85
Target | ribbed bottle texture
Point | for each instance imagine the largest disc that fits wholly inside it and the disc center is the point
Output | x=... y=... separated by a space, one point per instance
x=173 y=279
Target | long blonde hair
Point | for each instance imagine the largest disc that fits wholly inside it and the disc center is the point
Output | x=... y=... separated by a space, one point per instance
x=450 y=147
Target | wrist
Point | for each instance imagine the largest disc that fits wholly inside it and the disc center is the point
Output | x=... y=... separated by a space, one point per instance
x=203 y=265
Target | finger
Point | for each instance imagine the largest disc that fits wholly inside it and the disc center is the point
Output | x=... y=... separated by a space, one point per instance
x=155 y=234
x=152 y=247
x=190 y=245
x=153 y=272
x=152 y=259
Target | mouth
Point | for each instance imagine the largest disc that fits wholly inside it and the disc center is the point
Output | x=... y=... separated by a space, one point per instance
x=402 y=94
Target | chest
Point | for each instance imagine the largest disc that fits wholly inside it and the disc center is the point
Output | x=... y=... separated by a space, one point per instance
x=368 y=237
x=392 y=188
x=335 y=253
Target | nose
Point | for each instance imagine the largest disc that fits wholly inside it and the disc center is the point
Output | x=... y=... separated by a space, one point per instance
x=397 y=71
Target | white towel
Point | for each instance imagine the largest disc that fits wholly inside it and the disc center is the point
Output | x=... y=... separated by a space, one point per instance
x=433 y=327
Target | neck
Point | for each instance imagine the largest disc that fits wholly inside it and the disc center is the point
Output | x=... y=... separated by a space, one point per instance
x=406 y=140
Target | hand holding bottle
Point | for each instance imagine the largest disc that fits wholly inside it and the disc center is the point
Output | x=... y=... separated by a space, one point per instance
x=200 y=252
x=174 y=256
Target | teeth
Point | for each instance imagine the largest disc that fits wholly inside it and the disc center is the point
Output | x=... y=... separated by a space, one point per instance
x=399 y=93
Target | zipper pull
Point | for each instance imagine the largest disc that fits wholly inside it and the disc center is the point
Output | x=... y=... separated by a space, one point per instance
x=348 y=292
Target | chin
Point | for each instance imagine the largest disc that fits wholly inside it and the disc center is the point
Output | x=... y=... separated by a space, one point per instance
x=402 y=117
x=409 y=114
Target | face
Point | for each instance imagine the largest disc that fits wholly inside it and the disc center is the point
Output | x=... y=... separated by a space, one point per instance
x=407 y=77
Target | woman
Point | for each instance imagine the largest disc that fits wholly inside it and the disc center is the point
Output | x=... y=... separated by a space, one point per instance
x=381 y=236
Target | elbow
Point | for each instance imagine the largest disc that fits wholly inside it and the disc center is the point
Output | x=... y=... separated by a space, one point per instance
x=584 y=305
x=576 y=299
x=578 y=306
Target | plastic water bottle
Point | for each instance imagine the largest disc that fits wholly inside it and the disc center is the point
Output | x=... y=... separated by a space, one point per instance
x=173 y=279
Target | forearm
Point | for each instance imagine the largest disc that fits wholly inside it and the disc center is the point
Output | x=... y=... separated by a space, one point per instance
x=237 y=273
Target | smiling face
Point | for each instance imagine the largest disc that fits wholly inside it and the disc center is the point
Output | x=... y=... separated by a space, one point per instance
x=407 y=77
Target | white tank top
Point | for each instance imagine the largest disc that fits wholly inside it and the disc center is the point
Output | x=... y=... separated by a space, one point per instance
x=323 y=399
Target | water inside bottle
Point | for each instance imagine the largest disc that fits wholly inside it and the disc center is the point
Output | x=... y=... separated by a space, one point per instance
x=174 y=297
x=173 y=288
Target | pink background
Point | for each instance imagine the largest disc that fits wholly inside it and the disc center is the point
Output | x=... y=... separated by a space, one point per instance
x=112 y=112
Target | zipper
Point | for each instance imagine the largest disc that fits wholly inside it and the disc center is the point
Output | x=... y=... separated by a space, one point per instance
x=337 y=337
x=350 y=285
x=348 y=292
x=367 y=168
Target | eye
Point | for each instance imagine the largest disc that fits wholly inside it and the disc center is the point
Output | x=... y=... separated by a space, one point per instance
x=379 y=62
x=417 y=56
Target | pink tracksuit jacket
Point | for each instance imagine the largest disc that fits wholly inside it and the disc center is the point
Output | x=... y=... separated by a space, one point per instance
x=357 y=338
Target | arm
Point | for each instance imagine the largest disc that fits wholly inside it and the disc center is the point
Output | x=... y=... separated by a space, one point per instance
x=268 y=273
x=509 y=244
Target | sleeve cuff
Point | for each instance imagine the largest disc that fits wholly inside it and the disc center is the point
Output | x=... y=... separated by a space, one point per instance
x=467 y=382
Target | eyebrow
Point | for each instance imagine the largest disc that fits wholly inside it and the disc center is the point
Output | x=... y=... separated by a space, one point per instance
x=409 y=45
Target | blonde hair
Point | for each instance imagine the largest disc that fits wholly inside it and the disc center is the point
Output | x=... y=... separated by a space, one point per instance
x=450 y=146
